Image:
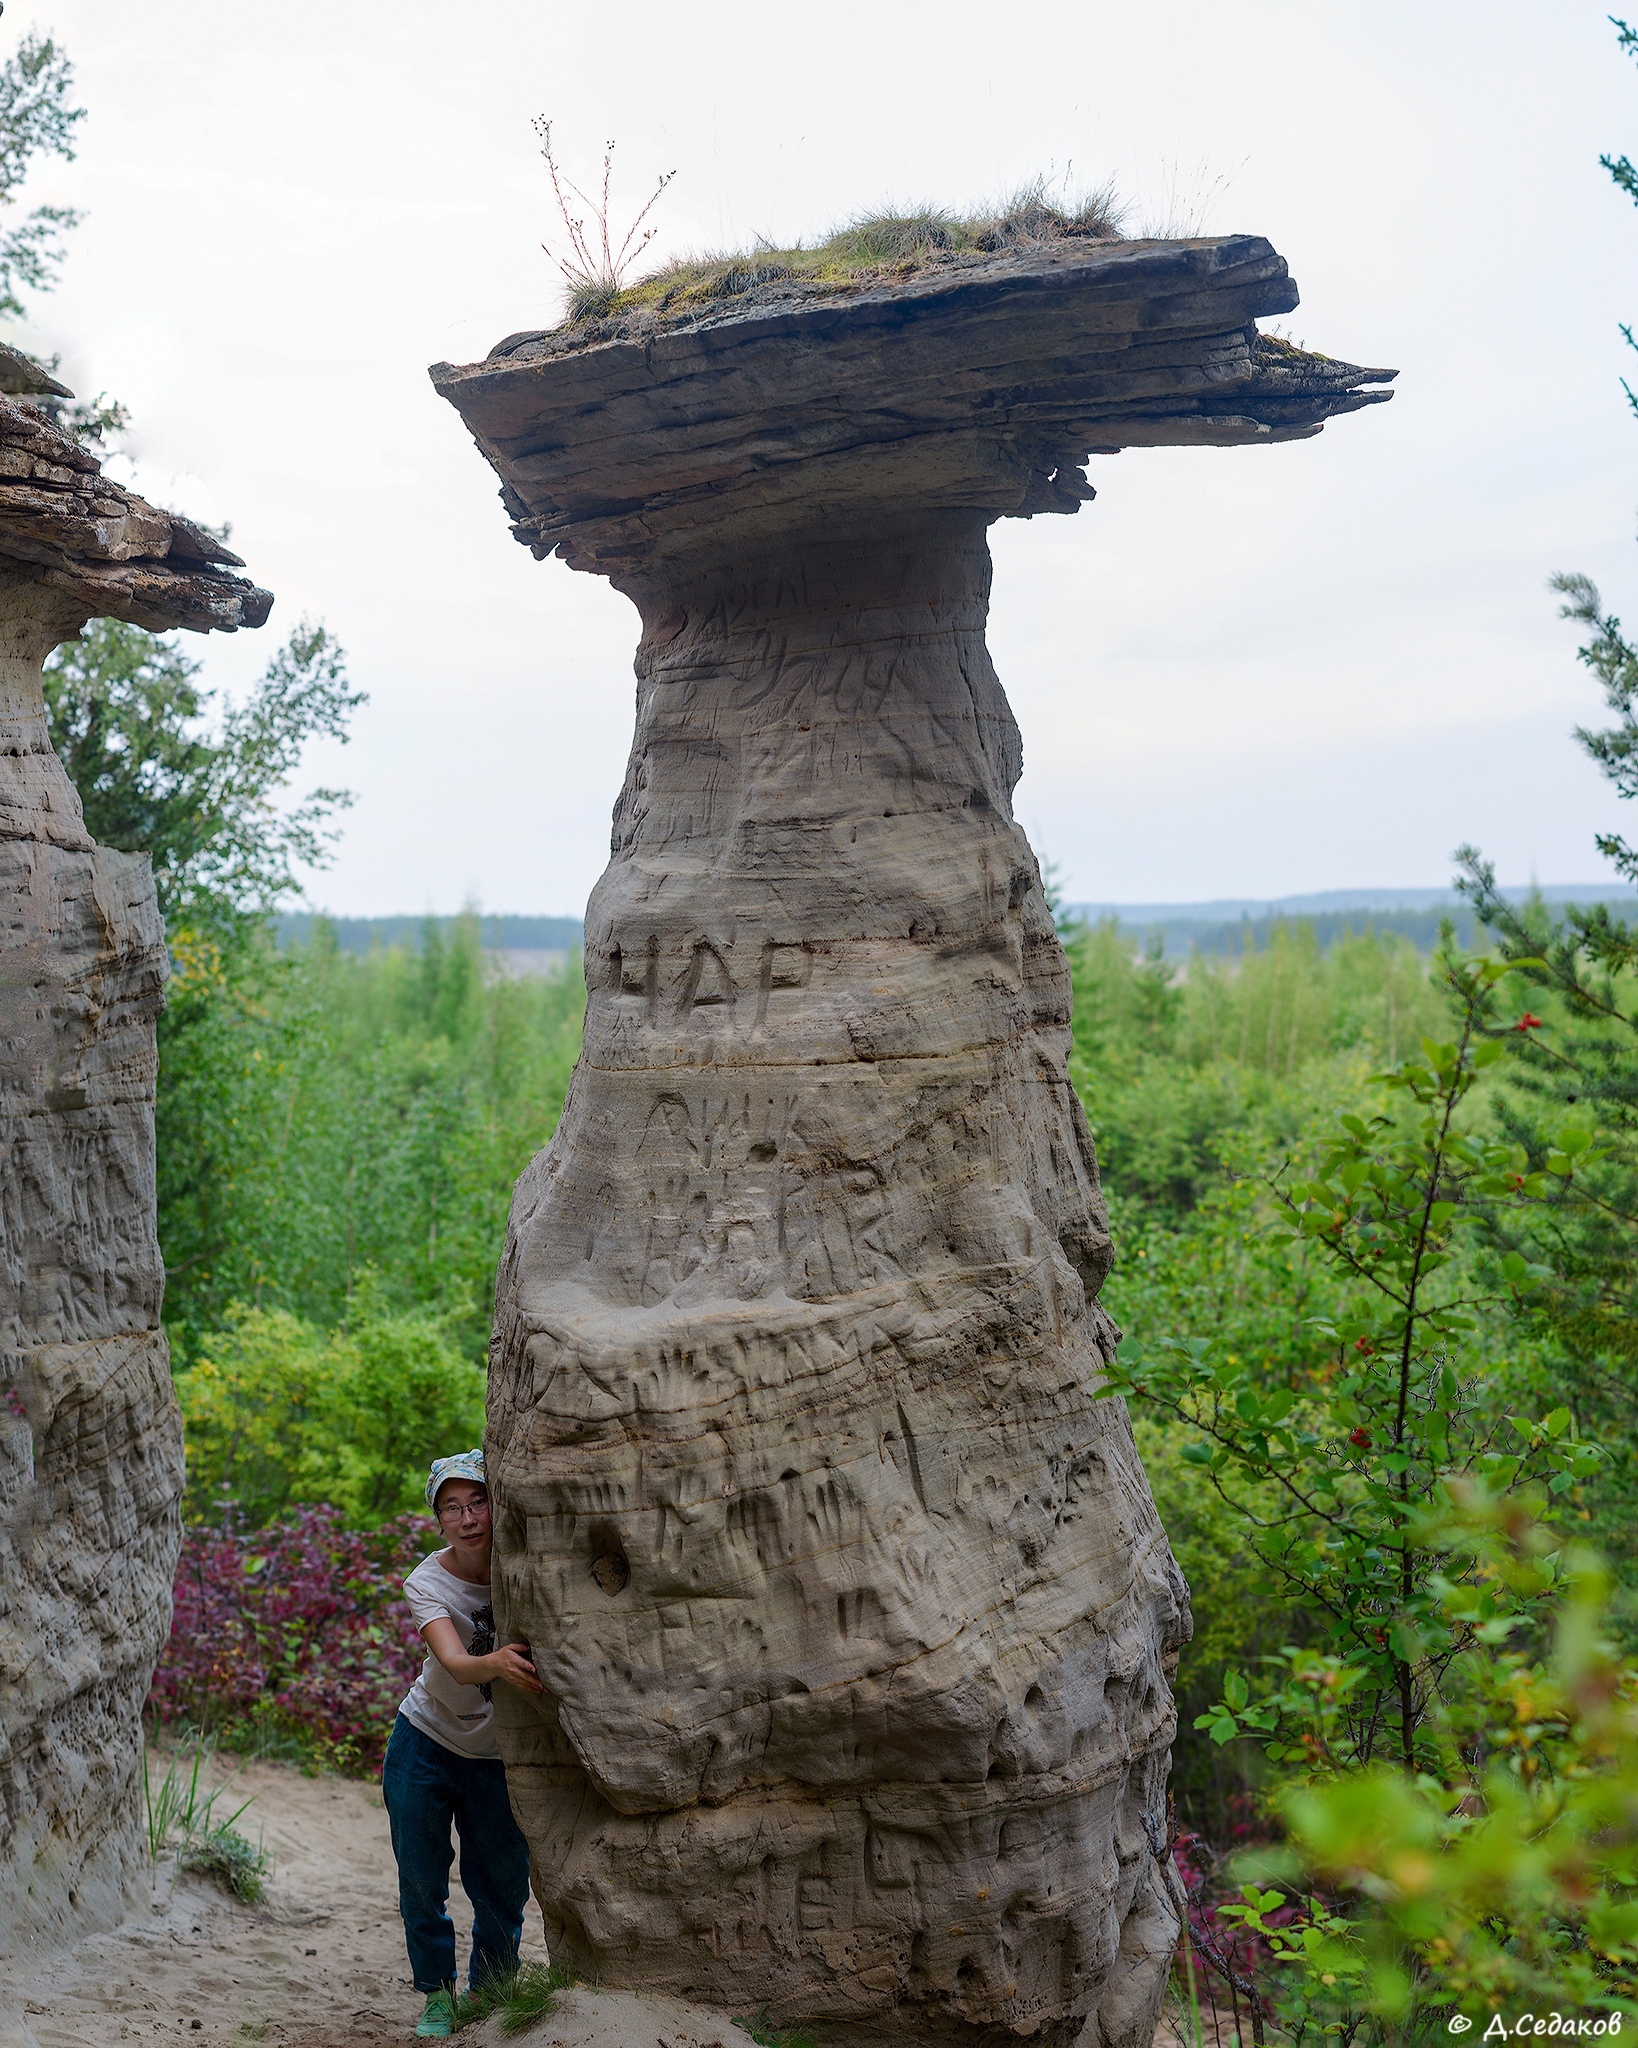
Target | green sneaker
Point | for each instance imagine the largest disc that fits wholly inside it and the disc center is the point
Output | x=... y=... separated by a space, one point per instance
x=438 y=2020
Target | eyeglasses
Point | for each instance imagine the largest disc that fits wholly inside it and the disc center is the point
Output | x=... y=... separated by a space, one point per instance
x=458 y=1511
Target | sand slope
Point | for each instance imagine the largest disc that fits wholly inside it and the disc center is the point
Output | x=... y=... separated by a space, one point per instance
x=320 y=1965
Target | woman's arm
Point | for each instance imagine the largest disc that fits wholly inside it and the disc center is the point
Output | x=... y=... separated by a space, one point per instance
x=510 y=1662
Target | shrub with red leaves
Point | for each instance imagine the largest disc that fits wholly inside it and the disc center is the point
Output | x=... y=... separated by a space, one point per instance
x=299 y=1630
x=1227 y=1965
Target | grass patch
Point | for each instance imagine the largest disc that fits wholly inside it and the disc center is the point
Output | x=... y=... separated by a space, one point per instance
x=178 y=1805
x=763 y=2031
x=179 y=1809
x=873 y=248
x=265 y=1734
x=527 y=1994
x=224 y=1854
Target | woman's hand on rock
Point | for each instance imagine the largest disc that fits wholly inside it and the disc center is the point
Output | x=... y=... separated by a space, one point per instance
x=511 y=1662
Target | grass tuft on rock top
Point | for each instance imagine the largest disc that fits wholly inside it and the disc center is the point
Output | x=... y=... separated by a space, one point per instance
x=873 y=248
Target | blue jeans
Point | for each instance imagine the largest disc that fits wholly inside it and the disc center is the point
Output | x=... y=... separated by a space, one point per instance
x=426 y=1787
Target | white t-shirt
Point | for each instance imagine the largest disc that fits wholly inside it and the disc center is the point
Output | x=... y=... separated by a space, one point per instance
x=458 y=1716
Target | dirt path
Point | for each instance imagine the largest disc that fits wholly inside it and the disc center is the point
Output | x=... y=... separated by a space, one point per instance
x=320 y=1964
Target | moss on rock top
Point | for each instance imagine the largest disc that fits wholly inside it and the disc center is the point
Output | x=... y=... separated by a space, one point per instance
x=872 y=250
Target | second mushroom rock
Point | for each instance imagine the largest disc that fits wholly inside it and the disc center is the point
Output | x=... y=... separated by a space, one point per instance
x=90 y=1435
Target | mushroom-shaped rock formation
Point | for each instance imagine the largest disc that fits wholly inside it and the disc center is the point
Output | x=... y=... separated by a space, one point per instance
x=851 y=1602
x=90 y=1436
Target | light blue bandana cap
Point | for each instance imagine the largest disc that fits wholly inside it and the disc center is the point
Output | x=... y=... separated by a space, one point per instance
x=463 y=1465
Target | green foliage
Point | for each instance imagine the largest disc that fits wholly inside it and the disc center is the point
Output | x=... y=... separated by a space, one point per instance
x=323 y=1116
x=1576 y=1069
x=1504 y=1873
x=1459 y=1813
x=1199 y=1091
x=1186 y=1074
x=240 y=1867
x=277 y=1411
x=126 y=718
x=1328 y=1470
x=35 y=120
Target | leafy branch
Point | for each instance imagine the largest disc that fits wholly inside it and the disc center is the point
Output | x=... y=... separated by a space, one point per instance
x=1387 y=1423
x=35 y=120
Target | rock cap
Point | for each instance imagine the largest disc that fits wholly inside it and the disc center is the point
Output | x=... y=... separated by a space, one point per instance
x=982 y=381
x=101 y=545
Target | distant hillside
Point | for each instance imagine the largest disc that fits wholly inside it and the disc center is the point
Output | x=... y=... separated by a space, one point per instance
x=555 y=935
x=1236 y=924
x=1222 y=909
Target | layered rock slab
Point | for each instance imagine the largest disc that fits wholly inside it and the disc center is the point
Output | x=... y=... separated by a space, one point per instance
x=853 y=1609
x=90 y=1436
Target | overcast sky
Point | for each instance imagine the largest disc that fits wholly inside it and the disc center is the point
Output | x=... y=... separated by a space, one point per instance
x=1248 y=671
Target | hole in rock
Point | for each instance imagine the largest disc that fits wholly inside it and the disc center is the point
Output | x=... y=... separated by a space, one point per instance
x=762 y=1152
x=612 y=1572
x=1035 y=1697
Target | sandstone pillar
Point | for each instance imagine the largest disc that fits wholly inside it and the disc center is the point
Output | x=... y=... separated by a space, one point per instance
x=90 y=1436
x=851 y=1601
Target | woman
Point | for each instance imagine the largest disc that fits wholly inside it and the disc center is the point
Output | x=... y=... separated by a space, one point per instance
x=442 y=1764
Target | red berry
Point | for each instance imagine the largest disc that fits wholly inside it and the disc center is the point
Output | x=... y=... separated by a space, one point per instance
x=1528 y=1022
x=1361 y=1438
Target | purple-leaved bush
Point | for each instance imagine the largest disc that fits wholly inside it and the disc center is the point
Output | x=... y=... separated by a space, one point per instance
x=297 y=1630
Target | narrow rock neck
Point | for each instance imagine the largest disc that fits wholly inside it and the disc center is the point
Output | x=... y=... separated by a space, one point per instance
x=816 y=877
x=37 y=800
x=822 y=741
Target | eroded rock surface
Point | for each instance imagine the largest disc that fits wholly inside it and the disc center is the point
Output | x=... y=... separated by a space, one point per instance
x=853 y=1608
x=90 y=1437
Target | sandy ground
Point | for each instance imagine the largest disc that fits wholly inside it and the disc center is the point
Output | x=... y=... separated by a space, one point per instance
x=320 y=1964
